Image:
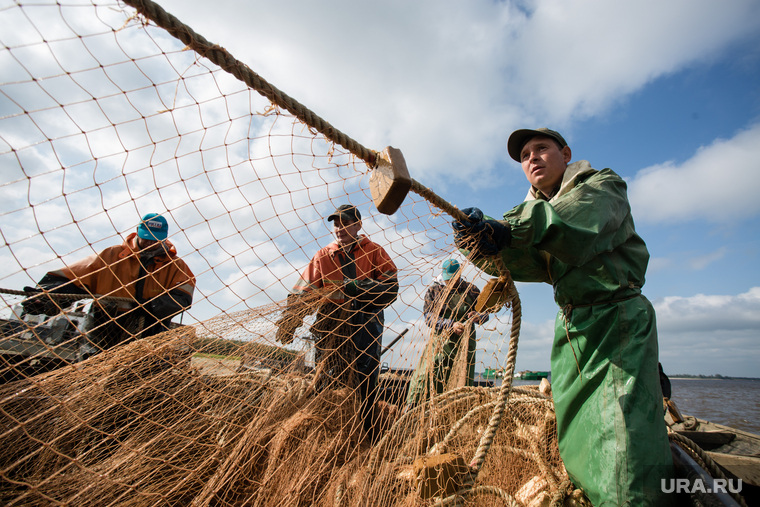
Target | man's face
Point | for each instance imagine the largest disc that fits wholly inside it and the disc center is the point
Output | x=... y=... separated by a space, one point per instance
x=346 y=231
x=147 y=245
x=544 y=163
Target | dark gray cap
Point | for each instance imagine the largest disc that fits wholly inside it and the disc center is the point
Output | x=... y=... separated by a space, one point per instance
x=519 y=137
x=346 y=212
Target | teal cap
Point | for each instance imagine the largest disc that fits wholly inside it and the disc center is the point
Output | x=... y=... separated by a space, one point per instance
x=450 y=268
x=153 y=227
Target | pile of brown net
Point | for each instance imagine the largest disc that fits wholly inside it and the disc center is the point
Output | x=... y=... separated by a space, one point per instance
x=146 y=424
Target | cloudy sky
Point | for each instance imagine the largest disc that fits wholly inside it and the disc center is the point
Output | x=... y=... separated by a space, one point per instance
x=665 y=93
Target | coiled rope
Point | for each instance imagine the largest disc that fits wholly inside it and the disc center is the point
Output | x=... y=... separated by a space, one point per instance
x=500 y=405
x=482 y=490
x=703 y=459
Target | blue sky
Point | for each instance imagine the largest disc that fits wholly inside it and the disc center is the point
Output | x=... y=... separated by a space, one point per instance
x=666 y=94
x=639 y=86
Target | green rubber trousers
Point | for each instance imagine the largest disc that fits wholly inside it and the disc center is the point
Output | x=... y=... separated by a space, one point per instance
x=608 y=400
x=434 y=369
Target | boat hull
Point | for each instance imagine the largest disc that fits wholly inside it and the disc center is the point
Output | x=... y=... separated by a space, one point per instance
x=735 y=452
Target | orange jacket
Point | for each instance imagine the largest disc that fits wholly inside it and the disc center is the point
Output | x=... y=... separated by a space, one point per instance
x=324 y=270
x=116 y=271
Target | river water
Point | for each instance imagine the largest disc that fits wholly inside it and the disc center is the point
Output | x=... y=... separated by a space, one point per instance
x=732 y=402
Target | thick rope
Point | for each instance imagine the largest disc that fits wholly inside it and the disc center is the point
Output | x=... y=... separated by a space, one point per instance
x=399 y=427
x=221 y=57
x=506 y=386
x=483 y=490
x=443 y=446
x=564 y=489
x=500 y=404
x=440 y=203
x=486 y=440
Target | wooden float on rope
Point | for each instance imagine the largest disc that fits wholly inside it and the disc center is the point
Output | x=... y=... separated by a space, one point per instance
x=390 y=183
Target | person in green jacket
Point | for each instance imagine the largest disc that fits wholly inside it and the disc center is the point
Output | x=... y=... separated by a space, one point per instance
x=449 y=309
x=575 y=231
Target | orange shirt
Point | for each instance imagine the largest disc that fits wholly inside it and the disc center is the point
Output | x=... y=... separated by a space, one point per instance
x=115 y=272
x=324 y=270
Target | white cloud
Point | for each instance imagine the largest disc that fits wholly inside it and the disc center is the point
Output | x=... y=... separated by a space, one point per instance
x=728 y=353
x=689 y=260
x=709 y=334
x=710 y=313
x=702 y=261
x=445 y=81
x=706 y=187
x=580 y=56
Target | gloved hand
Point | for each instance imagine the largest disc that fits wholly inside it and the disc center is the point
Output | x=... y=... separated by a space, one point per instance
x=285 y=334
x=286 y=327
x=162 y=307
x=38 y=303
x=483 y=237
x=477 y=317
x=351 y=287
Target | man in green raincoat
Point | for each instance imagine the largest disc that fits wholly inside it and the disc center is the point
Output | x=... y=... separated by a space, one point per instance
x=449 y=309
x=575 y=231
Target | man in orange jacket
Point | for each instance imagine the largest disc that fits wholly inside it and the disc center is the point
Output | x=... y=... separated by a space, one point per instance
x=349 y=324
x=145 y=269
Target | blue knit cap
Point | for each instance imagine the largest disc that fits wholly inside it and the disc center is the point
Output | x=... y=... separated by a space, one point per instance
x=450 y=268
x=153 y=227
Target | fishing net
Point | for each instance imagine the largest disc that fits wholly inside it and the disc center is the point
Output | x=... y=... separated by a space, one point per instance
x=106 y=114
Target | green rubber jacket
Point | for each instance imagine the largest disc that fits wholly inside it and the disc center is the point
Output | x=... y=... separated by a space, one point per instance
x=605 y=384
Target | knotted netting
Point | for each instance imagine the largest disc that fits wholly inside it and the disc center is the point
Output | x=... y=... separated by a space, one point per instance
x=109 y=111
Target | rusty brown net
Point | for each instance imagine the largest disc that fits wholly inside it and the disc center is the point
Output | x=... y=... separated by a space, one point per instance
x=208 y=368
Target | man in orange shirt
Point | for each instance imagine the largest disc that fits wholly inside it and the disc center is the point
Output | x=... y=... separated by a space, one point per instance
x=350 y=320
x=145 y=269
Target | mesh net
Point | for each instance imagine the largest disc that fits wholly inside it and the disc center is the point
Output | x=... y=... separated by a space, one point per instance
x=105 y=116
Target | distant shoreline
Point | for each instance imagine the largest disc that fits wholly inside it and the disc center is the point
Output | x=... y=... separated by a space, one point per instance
x=672 y=377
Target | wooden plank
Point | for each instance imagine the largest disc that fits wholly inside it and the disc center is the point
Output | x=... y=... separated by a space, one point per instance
x=746 y=468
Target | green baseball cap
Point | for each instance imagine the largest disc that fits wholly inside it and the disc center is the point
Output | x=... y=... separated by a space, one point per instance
x=519 y=137
x=347 y=213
